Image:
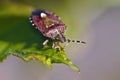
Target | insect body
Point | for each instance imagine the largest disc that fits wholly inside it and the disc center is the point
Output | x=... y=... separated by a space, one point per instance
x=49 y=25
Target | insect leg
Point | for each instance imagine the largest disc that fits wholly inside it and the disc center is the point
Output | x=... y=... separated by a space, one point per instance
x=56 y=45
x=45 y=42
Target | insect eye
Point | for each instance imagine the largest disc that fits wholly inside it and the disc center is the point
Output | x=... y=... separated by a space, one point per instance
x=43 y=15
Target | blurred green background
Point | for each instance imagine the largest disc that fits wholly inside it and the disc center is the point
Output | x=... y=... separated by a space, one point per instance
x=16 y=32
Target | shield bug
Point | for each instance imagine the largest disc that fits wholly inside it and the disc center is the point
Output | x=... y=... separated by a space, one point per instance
x=50 y=26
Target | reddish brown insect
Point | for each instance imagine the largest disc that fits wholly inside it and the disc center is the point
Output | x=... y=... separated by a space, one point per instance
x=50 y=26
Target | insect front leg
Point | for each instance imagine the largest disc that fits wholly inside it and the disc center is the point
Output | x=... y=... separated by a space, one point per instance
x=56 y=45
x=45 y=42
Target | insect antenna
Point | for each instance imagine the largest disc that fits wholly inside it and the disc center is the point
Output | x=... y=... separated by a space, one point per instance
x=76 y=41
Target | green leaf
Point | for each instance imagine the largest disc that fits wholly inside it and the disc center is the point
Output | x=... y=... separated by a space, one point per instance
x=19 y=38
x=46 y=55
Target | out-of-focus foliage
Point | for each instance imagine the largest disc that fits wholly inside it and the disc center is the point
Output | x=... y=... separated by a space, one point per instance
x=19 y=38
